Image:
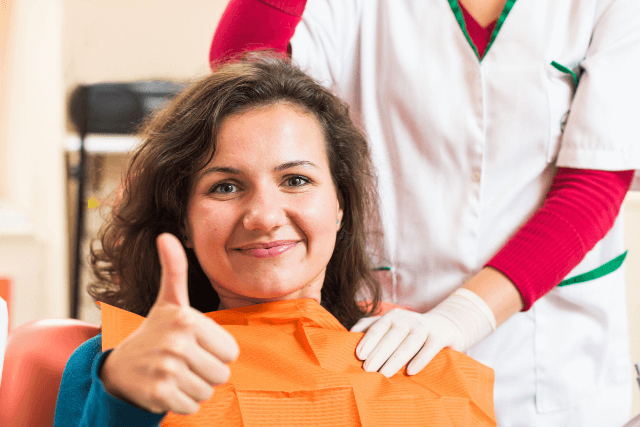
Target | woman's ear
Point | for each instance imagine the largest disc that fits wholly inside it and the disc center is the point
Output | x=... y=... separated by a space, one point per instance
x=185 y=236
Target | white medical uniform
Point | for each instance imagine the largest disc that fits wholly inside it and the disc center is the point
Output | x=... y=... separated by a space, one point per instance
x=465 y=152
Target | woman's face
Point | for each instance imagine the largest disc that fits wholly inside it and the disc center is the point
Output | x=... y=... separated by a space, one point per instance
x=263 y=215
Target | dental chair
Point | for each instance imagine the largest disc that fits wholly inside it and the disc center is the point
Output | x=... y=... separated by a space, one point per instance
x=35 y=357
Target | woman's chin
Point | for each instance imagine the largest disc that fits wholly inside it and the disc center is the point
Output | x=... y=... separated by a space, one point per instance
x=268 y=287
x=262 y=295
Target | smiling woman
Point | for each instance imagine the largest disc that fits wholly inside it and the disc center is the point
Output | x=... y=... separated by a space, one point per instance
x=256 y=142
x=266 y=181
x=264 y=216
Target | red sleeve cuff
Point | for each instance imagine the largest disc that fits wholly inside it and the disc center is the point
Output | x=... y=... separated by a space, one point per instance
x=292 y=7
x=580 y=208
x=248 y=25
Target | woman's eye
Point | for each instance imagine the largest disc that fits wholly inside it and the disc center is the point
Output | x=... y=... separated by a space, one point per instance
x=297 y=181
x=224 y=188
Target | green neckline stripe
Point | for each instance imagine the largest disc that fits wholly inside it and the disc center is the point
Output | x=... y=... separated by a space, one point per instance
x=455 y=7
x=596 y=273
x=503 y=16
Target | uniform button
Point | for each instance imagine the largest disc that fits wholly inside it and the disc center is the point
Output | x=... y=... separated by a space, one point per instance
x=476 y=176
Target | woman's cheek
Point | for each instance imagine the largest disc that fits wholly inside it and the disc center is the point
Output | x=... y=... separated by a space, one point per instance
x=320 y=221
x=212 y=227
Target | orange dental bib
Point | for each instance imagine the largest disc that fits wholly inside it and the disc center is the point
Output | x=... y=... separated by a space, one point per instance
x=297 y=367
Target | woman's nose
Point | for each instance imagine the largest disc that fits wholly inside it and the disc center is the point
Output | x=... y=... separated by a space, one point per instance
x=265 y=211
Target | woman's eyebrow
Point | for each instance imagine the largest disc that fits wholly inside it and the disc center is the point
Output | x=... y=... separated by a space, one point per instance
x=294 y=164
x=221 y=169
x=234 y=171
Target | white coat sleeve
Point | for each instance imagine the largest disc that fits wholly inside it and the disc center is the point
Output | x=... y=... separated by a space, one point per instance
x=325 y=41
x=602 y=130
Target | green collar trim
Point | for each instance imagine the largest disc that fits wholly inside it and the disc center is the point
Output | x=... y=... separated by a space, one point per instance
x=455 y=7
x=596 y=273
x=503 y=16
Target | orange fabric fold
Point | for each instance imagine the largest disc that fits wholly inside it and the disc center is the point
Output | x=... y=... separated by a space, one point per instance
x=297 y=367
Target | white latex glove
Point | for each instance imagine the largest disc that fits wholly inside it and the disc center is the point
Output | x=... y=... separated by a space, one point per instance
x=400 y=336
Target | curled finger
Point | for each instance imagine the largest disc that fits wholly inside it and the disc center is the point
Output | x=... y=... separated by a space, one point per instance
x=373 y=336
x=405 y=352
x=386 y=347
x=168 y=397
x=216 y=340
x=424 y=356
x=194 y=386
x=364 y=324
x=207 y=366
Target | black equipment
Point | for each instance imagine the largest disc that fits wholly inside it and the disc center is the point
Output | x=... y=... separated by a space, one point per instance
x=108 y=108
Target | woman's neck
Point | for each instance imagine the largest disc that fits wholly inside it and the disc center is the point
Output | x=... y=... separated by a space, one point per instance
x=235 y=301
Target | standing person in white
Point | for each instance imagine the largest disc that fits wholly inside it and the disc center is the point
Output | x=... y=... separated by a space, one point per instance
x=466 y=148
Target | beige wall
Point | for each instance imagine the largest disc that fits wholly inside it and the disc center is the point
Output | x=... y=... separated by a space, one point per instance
x=5 y=13
x=32 y=226
x=120 y=40
x=51 y=46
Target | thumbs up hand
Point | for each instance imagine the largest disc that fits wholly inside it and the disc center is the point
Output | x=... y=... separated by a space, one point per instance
x=176 y=357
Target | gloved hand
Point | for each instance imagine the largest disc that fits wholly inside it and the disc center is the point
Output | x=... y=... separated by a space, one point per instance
x=400 y=336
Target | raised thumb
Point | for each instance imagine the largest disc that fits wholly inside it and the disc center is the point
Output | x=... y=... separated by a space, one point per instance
x=173 y=281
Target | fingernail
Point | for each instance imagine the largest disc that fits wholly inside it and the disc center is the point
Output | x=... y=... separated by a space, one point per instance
x=367 y=366
x=363 y=352
x=359 y=350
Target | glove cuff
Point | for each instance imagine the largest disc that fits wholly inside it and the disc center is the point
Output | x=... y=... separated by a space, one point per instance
x=470 y=314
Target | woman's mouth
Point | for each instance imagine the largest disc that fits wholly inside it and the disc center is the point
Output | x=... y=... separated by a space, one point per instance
x=267 y=250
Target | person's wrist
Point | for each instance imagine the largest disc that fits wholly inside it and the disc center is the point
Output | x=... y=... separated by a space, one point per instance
x=105 y=376
x=497 y=291
x=471 y=318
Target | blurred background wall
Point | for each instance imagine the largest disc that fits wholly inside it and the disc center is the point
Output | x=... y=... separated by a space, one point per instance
x=32 y=203
x=47 y=48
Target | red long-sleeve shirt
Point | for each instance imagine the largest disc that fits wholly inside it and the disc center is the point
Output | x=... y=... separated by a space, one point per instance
x=578 y=210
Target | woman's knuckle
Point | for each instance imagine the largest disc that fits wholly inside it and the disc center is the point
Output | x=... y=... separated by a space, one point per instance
x=165 y=368
x=421 y=330
x=184 y=320
x=402 y=328
x=178 y=347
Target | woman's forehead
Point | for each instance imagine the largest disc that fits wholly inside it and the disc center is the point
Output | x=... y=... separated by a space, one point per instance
x=274 y=133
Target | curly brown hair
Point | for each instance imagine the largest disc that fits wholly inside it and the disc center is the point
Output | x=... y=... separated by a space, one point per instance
x=181 y=139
